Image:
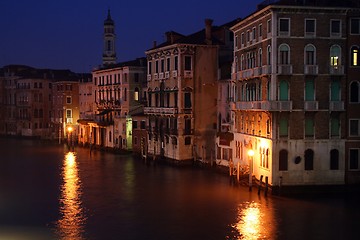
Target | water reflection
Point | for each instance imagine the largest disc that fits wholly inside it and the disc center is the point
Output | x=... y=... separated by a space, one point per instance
x=71 y=224
x=255 y=221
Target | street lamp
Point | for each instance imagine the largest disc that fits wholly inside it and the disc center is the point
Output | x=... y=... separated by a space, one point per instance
x=69 y=129
x=251 y=154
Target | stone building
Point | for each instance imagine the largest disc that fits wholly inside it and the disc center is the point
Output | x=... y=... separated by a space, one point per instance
x=182 y=91
x=291 y=76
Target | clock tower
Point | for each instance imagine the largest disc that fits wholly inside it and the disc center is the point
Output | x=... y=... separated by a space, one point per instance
x=109 y=53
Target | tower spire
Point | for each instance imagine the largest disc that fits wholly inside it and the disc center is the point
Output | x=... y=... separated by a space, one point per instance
x=109 y=53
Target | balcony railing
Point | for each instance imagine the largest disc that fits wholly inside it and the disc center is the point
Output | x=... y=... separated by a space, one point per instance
x=160 y=110
x=285 y=69
x=188 y=74
x=336 y=106
x=311 y=69
x=311 y=105
x=337 y=70
x=265 y=105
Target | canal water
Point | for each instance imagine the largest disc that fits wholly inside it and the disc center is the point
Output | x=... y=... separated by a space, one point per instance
x=49 y=192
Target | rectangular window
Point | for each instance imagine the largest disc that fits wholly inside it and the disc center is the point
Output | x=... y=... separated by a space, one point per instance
x=254 y=34
x=310 y=27
x=242 y=39
x=284 y=26
x=162 y=66
x=187 y=97
x=309 y=126
x=335 y=26
x=335 y=127
x=68 y=113
x=168 y=64
x=309 y=90
x=149 y=67
x=269 y=26
x=354 y=127
x=157 y=66
x=142 y=124
x=354 y=159
x=236 y=43
x=283 y=127
x=260 y=30
x=135 y=124
x=68 y=100
x=176 y=62
x=355 y=26
x=188 y=66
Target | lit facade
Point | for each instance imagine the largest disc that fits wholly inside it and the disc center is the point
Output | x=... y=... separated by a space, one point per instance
x=182 y=90
x=289 y=90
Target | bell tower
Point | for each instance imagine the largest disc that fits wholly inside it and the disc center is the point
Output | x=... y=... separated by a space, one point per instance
x=109 y=53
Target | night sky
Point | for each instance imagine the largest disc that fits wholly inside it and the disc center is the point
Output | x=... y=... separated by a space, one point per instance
x=68 y=34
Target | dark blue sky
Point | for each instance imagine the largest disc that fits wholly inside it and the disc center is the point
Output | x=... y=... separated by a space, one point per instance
x=67 y=34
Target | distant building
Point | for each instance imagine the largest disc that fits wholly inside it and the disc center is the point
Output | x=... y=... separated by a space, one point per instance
x=294 y=93
x=28 y=102
x=182 y=91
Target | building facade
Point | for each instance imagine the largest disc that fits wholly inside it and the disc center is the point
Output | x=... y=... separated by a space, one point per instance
x=290 y=87
x=182 y=90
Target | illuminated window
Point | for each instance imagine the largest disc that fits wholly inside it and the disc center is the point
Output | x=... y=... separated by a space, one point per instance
x=136 y=94
x=354 y=56
x=335 y=52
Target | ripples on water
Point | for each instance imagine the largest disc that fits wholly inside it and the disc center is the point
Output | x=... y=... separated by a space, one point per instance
x=73 y=218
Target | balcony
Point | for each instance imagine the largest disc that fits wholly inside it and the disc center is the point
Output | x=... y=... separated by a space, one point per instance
x=311 y=70
x=160 y=110
x=264 y=105
x=174 y=73
x=167 y=75
x=337 y=70
x=276 y=105
x=336 y=106
x=311 y=105
x=285 y=69
x=161 y=76
x=188 y=74
x=248 y=73
x=149 y=77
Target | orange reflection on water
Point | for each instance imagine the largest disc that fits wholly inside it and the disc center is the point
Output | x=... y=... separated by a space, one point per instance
x=71 y=224
x=255 y=221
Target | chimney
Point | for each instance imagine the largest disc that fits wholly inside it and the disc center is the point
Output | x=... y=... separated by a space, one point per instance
x=169 y=37
x=208 y=26
x=154 y=44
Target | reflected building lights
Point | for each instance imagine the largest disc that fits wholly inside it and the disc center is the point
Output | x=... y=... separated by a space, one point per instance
x=71 y=225
x=254 y=222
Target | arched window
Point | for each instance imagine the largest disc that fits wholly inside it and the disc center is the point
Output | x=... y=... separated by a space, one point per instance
x=284 y=54
x=136 y=94
x=125 y=94
x=354 y=56
x=268 y=55
x=335 y=55
x=310 y=55
x=309 y=159
x=283 y=160
x=334 y=159
x=110 y=136
x=242 y=63
x=260 y=63
x=354 y=92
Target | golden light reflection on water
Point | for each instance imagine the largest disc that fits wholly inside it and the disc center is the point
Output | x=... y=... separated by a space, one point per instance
x=255 y=221
x=71 y=224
